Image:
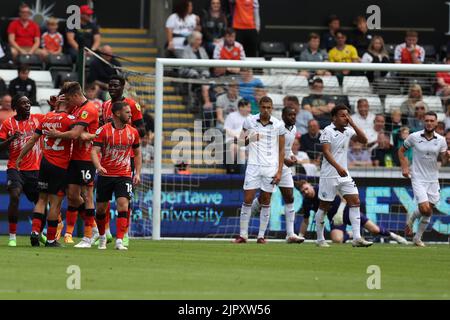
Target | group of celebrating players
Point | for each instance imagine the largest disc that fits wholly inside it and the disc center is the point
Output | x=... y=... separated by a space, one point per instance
x=269 y=142
x=60 y=153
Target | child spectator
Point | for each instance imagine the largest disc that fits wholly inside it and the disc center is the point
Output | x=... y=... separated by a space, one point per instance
x=51 y=41
x=23 y=85
x=409 y=51
x=383 y=154
x=358 y=156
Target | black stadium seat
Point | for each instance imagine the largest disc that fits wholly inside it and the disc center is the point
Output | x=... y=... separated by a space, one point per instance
x=59 y=77
x=296 y=48
x=33 y=60
x=60 y=62
x=272 y=49
x=430 y=53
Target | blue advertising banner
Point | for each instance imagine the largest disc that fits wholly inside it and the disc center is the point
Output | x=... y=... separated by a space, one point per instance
x=201 y=206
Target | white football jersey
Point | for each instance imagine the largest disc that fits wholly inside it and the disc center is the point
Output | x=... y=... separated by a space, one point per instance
x=339 y=142
x=289 y=139
x=264 y=152
x=425 y=153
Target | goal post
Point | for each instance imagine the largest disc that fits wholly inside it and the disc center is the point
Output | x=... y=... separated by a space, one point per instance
x=163 y=64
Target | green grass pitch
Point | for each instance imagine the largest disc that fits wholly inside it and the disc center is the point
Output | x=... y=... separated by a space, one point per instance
x=221 y=270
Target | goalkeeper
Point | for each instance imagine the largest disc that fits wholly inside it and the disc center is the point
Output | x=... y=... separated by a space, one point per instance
x=338 y=215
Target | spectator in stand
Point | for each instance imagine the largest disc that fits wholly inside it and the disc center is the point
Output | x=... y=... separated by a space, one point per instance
x=87 y=36
x=361 y=37
x=227 y=103
x=233 y=127
x=440 y=129
x=246 y=22
x=409 y=51
x=303 y=161
x=92 y=92
x=328 y=40
x=447 y=114
x=376 y=53
x=313 y=53
x=214 y=23
x=318 y=104
x=303 y=116
x=399 y=138
x=383 y=154
x=343 y=52
x=24 y=34
x=443 y=82
x=394 y=121
x=147 y=149
x=195 y=51
x=51 y=41
x=408 y=107
x=447 y=137
x=358 y=156
x=416 y=123
x=363 y=118
x=5 y=108
x=247 y=88
x=228 y=49
x=179 y=26
x=23 y=85
x=378 y=127
x=100 y=72
x=310 y=141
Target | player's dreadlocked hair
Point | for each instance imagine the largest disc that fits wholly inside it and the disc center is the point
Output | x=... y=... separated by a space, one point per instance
x=15 y=100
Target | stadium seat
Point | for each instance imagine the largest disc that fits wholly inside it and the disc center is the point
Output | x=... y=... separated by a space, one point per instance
x=43 y=78
x=272 y=49
x=340 y=99
x=355 y=85
x=430 y=53
x=257 y=59
x=393 y=102
x=277 y=100
x=387 y=86
x=271 y=82
x=36 y=110
x=60 y=76
x=60 y=62
x=443 y=52
x=283 y=71
x=390 y=48
x=375 y=105
x=441 y=116
x=43 y=94
x=426 y=83
x=434 y=103
x=294 y=84
x=330 y=83
x=32 y=60
x=295 y=49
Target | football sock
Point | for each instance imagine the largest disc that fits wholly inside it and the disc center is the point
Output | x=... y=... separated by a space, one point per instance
x=264 y=217
x=12 y=220
x=355 y=220
x=89 y=219
x=121 y=224
x=108 y=217
x=71 y=219
x=246 y=211
x=37 y=222
x=416 y=215
x=101 y=221
x=289 y=214
x=384 y=232
x=51 y=230
x=424 y=221
x=320 y=224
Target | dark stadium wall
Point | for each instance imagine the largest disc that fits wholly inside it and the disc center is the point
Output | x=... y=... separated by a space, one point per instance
x=291 y=21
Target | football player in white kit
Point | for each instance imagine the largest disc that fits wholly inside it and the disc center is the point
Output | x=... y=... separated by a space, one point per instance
x=264 y=136
x=286 y=184
x=334 y=175
x=427 y=145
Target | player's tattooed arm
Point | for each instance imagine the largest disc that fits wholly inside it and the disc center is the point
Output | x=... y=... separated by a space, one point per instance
x=27 y=148
x=327 y=154
x=4 y=144
x=96 y=160
x=403 y=161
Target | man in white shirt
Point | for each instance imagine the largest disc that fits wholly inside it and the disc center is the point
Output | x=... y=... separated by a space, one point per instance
x=227 y=103
x=264 y=136
x=334 y=175
x=427 y=146
x=364 y=119
x=233 y=128
x=287 y=182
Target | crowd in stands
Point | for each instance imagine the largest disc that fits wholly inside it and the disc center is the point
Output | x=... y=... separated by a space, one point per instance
x=231 y=34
